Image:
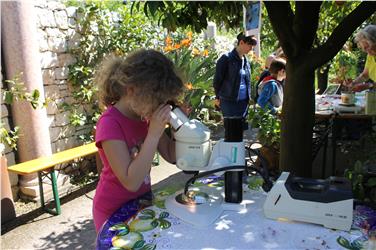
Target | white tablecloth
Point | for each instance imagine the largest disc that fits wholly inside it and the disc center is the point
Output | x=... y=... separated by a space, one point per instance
x=238 y=230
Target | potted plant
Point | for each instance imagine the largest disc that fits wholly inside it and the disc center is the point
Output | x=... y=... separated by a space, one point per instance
x=269 y=134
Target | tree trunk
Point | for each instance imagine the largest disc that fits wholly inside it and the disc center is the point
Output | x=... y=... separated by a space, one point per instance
x=298 y=119
x=322 y=79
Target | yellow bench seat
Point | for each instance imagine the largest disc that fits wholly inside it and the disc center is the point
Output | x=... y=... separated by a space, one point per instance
x=46 y=162
x=44 y=166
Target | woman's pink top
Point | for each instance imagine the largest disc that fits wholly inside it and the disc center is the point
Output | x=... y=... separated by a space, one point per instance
x=110 y=193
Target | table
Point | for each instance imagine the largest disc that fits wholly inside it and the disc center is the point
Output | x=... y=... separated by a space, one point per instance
x=142 y=225
x=327 y=109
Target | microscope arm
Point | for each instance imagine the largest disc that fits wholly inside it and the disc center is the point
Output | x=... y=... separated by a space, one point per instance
x=202 y=174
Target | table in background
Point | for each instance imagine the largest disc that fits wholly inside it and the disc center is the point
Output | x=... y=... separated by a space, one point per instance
x=153 y=227
x=325 y=112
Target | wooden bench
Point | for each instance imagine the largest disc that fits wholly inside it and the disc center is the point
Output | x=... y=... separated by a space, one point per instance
x=44 y=166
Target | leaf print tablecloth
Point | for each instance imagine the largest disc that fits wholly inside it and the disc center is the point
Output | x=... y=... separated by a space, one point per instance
x=140 y=224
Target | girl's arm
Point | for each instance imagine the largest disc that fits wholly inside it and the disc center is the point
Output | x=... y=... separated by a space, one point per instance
x=132 y=172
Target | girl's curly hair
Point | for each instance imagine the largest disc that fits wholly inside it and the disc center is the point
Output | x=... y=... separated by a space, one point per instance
x=152 y=75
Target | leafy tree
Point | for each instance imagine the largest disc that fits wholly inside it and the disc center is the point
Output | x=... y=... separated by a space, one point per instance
x=296 y=29
x=174 y=14
x=296 y=32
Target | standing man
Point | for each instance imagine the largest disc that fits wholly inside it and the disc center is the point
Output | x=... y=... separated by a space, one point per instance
x=232 y=80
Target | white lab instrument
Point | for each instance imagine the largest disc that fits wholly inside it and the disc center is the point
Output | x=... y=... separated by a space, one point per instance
x=194 y=152
x=343 y=108
x=327 y=202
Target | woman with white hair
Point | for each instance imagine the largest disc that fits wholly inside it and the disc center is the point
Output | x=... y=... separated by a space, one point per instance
x=366 y=40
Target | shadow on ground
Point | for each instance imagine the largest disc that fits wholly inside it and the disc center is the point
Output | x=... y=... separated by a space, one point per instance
x=81 y=235
x=31 y=216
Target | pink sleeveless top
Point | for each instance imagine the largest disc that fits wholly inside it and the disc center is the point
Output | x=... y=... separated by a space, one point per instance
x=110 y=193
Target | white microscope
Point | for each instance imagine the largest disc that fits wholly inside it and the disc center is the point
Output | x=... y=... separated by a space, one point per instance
x=194 y=152
x=327 y=202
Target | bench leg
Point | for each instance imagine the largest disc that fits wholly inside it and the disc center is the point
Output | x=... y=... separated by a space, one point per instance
x=41 y=194
x=55 y=193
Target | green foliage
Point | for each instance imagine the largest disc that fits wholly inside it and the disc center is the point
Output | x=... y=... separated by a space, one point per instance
x=268 y=40
x=257 y=67
x=9 y=137
x=174 y=14
x=196 y=64
x=123 y=30
x=18 y=92
x=344 y=66
x=363 y=180
x=105 y=27
x=330 y=16
x=269 y=126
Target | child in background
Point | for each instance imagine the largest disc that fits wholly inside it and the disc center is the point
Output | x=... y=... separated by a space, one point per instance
x=270 y=89
x=130 y=131
x=264 y=73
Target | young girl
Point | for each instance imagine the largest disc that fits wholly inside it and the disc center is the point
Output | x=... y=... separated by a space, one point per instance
x=130 y=131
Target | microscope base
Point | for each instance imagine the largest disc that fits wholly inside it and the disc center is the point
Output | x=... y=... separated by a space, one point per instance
x=205 y=214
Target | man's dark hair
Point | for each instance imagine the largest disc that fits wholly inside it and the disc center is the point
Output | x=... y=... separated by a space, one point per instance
x=247 y=39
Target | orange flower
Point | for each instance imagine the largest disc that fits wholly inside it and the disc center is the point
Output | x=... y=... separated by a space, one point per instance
x=168 y=48
x=205 y=52
x=185 y=42
x=177 y=46
x=189 y=86
x=168 y=40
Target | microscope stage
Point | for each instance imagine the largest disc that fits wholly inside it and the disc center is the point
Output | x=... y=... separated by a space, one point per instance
x=202 y=213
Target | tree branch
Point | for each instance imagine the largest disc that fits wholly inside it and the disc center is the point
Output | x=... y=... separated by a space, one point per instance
x=306 y=22
x=341 y=33
x=281 y=17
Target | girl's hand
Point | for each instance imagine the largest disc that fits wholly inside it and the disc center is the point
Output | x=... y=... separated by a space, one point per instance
x=159 y=119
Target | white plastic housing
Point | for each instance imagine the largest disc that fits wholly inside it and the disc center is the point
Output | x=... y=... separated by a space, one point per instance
x=193 y=146
x=280 y=205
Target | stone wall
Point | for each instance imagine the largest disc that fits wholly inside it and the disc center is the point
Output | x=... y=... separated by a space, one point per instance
x=56 y=35
x=56 y=25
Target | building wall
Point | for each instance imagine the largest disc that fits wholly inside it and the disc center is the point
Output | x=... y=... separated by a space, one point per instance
x=56 y=36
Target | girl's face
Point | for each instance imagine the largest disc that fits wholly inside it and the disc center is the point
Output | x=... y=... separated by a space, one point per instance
x=144 y=106
x=143 y=109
